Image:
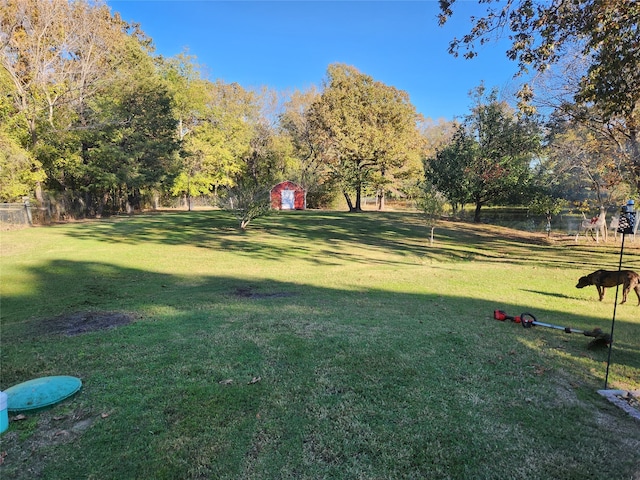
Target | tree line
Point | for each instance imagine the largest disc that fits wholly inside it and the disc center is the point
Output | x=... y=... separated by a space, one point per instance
x=94 y=123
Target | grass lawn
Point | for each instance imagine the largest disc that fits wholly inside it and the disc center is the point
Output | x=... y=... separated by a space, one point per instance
x=316 y=345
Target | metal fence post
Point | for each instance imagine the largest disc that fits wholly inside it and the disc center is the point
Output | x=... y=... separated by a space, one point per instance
x=27 y=207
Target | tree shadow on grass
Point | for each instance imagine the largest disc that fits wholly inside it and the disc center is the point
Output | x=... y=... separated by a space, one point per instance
x=62 y=289
x=402 y=235
x=220 y=363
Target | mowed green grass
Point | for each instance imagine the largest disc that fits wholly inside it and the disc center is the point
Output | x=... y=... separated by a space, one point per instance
x=315 y=345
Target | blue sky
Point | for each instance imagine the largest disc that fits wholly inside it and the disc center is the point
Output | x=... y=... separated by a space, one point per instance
x=288 y=45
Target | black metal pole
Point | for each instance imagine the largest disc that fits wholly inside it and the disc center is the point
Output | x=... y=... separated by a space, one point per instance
x=613 y=320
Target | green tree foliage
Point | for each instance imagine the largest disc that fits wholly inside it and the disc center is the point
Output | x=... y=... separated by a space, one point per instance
x=606 y=34
x=57 y=54
x=140 y=148
x=84 y=88
x=182 y=76
x=99 y=122
x=265 y=162
x=434 y=136
x=446 y=169
x=489 y=159
x=541 y=32
x=308 y=167
x=19 y=172
x=548 y=206
x=308 y=170
x=366 y=130
x=125 y=147
x=207 y=162
x=217 y=145
x=267 y=159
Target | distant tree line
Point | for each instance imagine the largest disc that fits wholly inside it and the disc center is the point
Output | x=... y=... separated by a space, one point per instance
x=93 y=122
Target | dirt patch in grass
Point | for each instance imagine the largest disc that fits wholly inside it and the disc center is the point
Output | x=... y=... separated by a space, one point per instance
x=24 y=445
x=83 y=322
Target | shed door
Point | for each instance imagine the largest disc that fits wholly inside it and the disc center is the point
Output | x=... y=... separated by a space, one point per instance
x=288 y=199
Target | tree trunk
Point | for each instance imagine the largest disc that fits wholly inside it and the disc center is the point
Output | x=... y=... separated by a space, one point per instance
x=358 y=206
x=39 y=194
x=381 y=200
x=476 y=214
x=348 y=199
x=188 y=186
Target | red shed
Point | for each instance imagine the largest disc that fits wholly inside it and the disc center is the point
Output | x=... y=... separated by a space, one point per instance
x=288 y=196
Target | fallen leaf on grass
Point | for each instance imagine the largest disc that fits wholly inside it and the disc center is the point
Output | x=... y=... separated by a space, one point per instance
x=19 y=417
x=228 y=381
x=104 y=415
x=539 y=370
x=2 y=455
x=254 y=380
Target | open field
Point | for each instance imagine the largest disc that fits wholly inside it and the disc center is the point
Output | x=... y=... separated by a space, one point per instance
x=315 y=345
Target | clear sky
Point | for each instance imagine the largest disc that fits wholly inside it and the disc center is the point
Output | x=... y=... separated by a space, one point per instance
x=288 y=45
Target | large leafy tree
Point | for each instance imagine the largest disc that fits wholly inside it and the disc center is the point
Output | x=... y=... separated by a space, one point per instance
x=135 y=150
x=606 y=36
x=218 y=138
x=190 y=92
x=489 y=159
x=599 y=139
x=445 y=170
x=588 y=164
x=182 y=76
x=74 y=71
x=541 y=32
x=505 y=145
x=19 y=172
x=57 y=54
x=366 y=130
x=308 y=169
x=265 y=161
